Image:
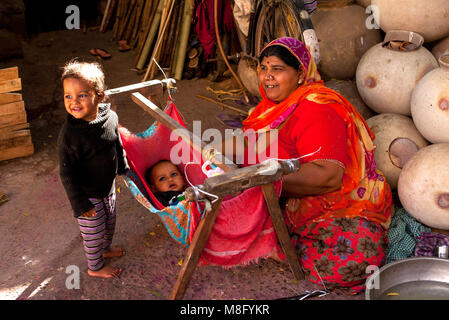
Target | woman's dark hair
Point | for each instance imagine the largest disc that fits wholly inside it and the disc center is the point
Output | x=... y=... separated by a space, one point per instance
x=283 y=54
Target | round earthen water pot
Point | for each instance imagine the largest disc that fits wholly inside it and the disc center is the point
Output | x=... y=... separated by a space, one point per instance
x=389 y=71
x=247 y=71
x=430 y=103
x=348 y=89
x=441 y=48
x=428 y=18
x=423 y=186
x=343 y=39
x=364 y=3
x=397 y=139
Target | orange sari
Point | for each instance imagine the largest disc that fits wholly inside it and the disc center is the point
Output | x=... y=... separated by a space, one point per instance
x=364 y=192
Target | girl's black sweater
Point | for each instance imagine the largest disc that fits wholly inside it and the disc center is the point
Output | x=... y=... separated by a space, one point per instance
x=90 y=156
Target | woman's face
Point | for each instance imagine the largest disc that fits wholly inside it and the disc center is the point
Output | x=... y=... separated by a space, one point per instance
x=277 y=78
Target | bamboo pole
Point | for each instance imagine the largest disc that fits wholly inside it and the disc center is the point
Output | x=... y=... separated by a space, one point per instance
x=169 y=43
x=185 y=31
x=223 y=55
x=117 y=18
x=131 y=25
x=175 y=52
x=163 y=35
x=121 y=13
x=127 y=18
x=223 y=104
x=146 y=26
x=151 y=35
x=140 y=10
x=105 y=15
x=159 y=40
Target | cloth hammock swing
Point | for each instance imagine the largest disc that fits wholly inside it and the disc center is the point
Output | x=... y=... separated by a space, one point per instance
x=233 y=241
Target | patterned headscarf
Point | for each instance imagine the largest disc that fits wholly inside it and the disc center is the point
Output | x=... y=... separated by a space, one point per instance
x=269 y=112
x=300 y=51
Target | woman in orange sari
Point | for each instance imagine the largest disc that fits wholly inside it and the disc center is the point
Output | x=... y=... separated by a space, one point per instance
x=338 y=206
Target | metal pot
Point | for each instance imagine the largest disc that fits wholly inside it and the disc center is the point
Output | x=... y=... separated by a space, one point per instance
x=418 y=278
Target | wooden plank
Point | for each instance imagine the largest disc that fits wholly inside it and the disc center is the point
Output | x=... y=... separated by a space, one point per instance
x=3 y=197
x=187 y=136
x=10 y=85
x=199 y=240
x=16 y=152
x=12 y=114
x=248 y=177
x=14 y=134
x=22 y=140
x=9 y=73
x=155 y=84
x=4 y=131
x=121 y=96
x=281 y=230
x=13 y=107
x=9 y=97
x=13 y=119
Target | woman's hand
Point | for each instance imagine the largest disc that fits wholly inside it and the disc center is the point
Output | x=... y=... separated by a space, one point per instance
x=313 y=178
x=89 y=214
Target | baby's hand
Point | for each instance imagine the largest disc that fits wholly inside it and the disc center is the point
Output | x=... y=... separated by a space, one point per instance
x=88 y=214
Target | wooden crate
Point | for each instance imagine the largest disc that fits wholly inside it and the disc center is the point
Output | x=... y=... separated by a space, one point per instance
x=15 y=135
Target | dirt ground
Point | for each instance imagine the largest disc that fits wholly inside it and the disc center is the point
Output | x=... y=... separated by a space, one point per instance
x=40 y=238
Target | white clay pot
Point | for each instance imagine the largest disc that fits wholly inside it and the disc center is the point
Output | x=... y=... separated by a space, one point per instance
x=441 y=48
x=428 y=18
x=343 y=39
x=423 y=186
x=386 y=77
x=430 y=104
x=397 y=139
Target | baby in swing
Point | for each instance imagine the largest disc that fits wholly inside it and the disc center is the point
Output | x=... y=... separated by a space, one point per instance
x=165 y=180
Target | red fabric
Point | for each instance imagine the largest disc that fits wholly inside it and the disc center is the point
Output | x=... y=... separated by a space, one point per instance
x=205 y=25
x=141 y=155
x=243 y=231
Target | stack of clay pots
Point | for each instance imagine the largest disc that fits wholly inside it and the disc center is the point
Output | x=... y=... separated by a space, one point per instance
x=406 y=82
x=340 y=26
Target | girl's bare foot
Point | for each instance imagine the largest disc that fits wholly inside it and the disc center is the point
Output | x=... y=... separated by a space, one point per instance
x=114 y=253
x=106 y=272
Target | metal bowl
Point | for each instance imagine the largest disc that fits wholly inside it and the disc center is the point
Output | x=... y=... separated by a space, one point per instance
x=418 y=278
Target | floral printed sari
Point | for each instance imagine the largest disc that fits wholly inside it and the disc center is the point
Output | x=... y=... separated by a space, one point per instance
x=338 y=234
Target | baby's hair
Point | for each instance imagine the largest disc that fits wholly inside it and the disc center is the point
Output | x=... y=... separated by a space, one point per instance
x=92 y=72
x=150 y=170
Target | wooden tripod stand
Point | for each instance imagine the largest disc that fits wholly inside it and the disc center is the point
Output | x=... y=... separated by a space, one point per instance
x=232 y=181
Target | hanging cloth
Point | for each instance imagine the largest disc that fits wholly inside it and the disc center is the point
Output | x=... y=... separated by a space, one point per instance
x=205 y=25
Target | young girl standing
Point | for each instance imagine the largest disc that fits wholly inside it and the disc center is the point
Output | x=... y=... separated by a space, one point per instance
x=90 y=156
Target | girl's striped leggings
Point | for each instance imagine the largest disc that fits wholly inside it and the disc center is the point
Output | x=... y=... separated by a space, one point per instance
x=97 y=231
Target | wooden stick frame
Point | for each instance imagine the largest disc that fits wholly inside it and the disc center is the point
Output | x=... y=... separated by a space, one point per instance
x=204 y=228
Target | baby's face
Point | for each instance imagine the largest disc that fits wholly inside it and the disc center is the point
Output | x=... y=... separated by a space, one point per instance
x=166 y=177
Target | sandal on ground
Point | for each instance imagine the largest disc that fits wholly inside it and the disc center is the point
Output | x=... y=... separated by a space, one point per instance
x=102 y=53
x=123 y=46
